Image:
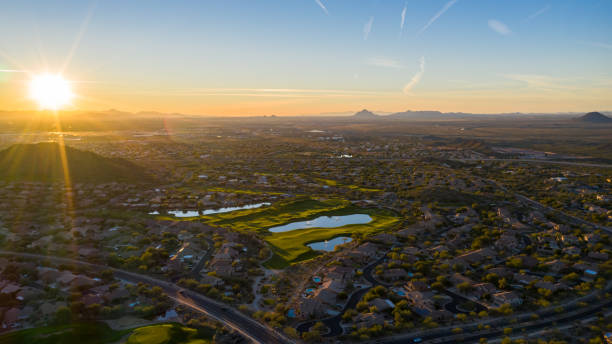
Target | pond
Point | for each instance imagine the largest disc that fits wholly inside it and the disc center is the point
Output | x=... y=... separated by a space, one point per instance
x=195 y=213
x=324 y=222
x=329 y=245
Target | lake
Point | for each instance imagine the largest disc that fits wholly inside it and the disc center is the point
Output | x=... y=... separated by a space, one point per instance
x=195 y=213
x=329 y=245
x=324 y=222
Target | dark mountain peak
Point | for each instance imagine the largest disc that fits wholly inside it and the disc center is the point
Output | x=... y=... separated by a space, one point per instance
x=594 y=117
x=365 y=114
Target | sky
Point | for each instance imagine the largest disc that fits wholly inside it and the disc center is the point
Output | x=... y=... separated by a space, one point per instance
x=295 y=57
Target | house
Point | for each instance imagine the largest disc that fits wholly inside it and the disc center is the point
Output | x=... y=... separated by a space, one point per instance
x=48 y=275
x=395 y=274
x=555 y=265
x=572 y=250
x=65 y=278
x=598 y=255
x=90 y=299
x=420 y=299
x=562 y=228
x=368 y=320
x=569 y=239
x=310 y=307
x=212 y=280
x=592 y=238
x=410 y=231
x=81 y=281
x=506 y=297
x=385 y=238
x=117 y=294
x=508 y=242
x=334 y=285
x=369 y=249
x=481 y=289
x=411 y=251
x=552 y=287
x=501 y=272
x=474 y=257
x=457 y=278
x=88 y=252
x=11 y=318
x=10 y=288
x=589 y=270
x=326 y=294
x=364 y=252
x=416 y=286
x=524 y=278
x=28 y=293
x=341 y=273
x=382 y=305
x=48 y=309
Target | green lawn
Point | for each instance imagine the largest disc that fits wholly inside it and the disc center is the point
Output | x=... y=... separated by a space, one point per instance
x=166 y=334
x=330 y=182
x=89 y=332
x=260 y=219
x=290 y=247
x=100 y=333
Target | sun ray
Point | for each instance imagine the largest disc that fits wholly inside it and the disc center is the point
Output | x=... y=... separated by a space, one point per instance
x=79 y=36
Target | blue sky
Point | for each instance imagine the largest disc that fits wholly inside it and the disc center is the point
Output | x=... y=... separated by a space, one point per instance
x=292 y=57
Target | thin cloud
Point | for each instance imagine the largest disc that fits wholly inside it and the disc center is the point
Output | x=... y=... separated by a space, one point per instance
x=499 y=27
x=538 y=13
x=599 y=44
x=320 y=3
x=403 y=15
x=384 y=62
x=367 y=28
x=416 y=78
x=544 y=82
x=12 y=71
x=437 y=15
x=269 y=92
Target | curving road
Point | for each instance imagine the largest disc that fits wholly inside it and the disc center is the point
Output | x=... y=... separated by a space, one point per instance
x=567 y=217
x=556 y=162
x=242 y=324
x=472 y=334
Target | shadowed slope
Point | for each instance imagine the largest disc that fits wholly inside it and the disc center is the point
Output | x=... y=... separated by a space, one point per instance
x=42 y=162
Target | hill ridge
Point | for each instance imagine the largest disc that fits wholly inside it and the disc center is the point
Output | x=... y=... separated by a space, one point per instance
x=42 y=162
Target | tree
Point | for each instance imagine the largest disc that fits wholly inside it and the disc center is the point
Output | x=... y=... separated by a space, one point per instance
x=464 y=287
x=63 y=315
x=291 y=332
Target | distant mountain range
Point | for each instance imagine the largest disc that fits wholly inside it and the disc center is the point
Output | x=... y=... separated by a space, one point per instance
x=591 y=117
x=43 y=162
x=594 y=117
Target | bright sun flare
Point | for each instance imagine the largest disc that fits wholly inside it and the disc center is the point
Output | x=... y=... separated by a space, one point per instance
x=50 y=91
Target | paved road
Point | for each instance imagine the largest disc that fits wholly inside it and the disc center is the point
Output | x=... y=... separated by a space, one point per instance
x=569 y=218
x=585 y=164
x=246 y=326
x=198 y=267
x=473 y=335
x=457 y=300
x=546 y=209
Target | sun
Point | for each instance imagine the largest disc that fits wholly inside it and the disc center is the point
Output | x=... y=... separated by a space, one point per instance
x=50 y=91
